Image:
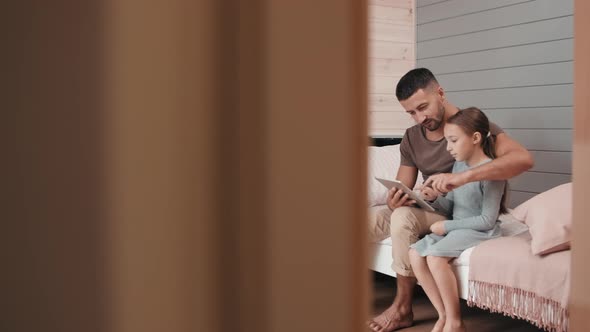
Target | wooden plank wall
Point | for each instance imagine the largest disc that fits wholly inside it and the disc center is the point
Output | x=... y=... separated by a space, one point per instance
x=392 y=43
x=514 y=60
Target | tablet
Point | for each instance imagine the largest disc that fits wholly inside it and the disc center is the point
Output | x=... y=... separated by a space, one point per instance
x=411 y=194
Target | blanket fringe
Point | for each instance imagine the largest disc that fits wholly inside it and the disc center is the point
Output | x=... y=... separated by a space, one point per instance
x=545 y=313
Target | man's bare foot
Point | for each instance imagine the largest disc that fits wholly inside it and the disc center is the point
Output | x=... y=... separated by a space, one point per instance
x=454 y=326
x=391 y=319
x=439 y=325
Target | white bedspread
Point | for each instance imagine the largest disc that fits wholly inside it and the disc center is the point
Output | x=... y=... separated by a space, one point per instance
x=509 y=226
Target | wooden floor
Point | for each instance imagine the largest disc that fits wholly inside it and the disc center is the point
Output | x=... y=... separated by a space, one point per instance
x=476 y=320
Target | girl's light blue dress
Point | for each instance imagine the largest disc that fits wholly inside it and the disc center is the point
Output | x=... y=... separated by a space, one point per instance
x=473 y=209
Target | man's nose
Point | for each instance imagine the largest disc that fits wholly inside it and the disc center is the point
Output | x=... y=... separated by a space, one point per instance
x=422 y=118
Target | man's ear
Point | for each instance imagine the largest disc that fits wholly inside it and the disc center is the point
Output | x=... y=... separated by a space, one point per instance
x=441 y=92
x=476 y=137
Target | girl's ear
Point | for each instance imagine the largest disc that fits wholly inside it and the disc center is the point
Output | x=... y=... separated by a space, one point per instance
x=476 y=137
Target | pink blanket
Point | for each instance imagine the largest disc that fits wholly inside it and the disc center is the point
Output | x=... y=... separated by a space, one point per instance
x=505 y=277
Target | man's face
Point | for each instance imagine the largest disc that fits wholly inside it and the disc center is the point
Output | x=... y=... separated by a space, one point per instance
x=426 y=108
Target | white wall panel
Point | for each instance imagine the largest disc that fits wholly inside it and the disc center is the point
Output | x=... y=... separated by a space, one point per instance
x=535 y=32
x=508 y=57
x=520 y=13
x=514 y=60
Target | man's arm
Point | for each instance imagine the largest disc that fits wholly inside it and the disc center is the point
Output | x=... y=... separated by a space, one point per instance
x=511 y=160
x=407 y=175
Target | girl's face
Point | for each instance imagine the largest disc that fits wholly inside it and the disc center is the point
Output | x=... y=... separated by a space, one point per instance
x=459 y=144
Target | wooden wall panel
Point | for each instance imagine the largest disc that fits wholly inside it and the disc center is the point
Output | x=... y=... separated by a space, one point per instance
x=386 y=31
x=392 y=3
x=395 y=15
x=391 y=50
x=392 y=44
x=384 y=103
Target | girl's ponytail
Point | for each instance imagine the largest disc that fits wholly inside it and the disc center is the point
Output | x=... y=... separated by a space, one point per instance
x=489 y=145
x=489 y=148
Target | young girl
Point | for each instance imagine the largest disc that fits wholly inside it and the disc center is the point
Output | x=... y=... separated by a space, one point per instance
x=474 y=208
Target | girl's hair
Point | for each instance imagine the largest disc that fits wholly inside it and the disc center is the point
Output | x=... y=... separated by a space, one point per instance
x=472 y=120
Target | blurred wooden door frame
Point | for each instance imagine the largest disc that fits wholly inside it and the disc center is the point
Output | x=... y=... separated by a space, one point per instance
x=298 y=262
x=190 y=166
x=276 y=186
x=580 y=291
x=135 y=237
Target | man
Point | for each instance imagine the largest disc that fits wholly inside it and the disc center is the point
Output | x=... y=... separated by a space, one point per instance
x=424 y=148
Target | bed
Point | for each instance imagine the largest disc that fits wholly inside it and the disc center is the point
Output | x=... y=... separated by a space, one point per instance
x=524 y=274
x=381 y=259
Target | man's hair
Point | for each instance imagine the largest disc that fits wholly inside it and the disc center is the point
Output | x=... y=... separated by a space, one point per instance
x=412 y=81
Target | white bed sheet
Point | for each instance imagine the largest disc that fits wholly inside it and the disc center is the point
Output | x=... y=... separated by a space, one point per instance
x=381 y=259
x=509 y=227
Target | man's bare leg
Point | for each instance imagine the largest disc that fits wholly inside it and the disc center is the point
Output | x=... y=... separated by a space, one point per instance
x=399 y=314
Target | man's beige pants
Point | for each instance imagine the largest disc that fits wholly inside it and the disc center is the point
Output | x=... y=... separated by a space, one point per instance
x=405 y=225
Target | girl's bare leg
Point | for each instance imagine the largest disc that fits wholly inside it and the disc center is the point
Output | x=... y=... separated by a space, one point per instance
x=428 y=283
x=446 y=283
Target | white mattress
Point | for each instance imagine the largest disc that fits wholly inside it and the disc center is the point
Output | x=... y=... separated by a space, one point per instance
x=381 y=259
x=509 y=227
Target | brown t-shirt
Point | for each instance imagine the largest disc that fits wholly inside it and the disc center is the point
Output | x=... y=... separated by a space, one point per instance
x=430 y=157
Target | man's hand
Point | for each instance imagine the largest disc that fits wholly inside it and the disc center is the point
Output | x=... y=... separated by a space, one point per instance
x=397 y=198
x=445 y=182
x=438 y=228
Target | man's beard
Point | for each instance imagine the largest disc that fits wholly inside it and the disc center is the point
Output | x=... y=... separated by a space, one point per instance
x=432 y=124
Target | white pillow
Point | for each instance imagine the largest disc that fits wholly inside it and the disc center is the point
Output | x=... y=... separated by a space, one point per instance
x=383 y=163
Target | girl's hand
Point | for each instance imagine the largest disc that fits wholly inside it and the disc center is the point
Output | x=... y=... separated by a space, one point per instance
x=428 y=194
x=438 y=228
x=445 y=182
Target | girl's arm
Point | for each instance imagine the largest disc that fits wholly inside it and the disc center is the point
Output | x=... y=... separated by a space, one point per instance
x=444 y=204
x=490 y=210
x=512 y=159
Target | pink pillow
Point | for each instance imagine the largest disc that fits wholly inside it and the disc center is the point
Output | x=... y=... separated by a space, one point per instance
x=549 y=218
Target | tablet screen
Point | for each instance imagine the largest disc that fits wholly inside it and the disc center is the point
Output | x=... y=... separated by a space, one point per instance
x=413 y=195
